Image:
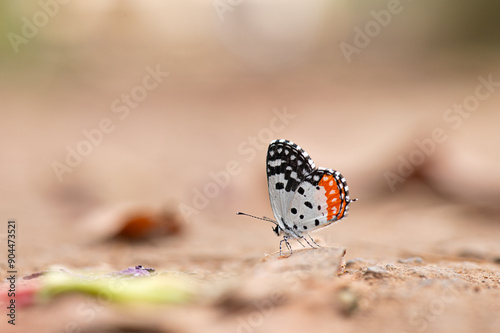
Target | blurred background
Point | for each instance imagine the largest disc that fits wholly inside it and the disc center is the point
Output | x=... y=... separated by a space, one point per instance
x=168 y=106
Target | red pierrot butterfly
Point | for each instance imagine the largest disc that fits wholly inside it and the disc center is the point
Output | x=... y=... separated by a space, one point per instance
x=303 y=197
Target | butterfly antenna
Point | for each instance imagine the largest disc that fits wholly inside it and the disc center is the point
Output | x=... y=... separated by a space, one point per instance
x=258 y=218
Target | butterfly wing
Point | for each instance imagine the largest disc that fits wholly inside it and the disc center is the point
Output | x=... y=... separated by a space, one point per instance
x=288 y=166
x=321 y=199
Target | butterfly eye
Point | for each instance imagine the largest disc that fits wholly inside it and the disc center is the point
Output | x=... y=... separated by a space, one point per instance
x=276 y=229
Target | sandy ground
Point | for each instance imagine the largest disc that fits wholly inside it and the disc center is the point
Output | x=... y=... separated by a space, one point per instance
x=422 y=249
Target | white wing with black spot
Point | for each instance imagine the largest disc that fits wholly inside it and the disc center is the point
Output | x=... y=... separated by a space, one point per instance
x=303 y=197
x=288 y=166
x=321 y=199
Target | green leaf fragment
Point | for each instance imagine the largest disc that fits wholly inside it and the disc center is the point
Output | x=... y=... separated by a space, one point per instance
x=155 y=289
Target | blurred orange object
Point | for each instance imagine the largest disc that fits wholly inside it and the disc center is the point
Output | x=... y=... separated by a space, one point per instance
x=145 y=224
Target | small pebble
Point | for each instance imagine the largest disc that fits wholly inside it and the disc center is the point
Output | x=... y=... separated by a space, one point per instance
x=376 y=271
x=417 y=271
x=357 y=263
x=390 y=267
x=411 y=260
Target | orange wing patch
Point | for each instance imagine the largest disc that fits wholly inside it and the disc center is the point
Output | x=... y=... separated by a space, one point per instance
x=333 y=200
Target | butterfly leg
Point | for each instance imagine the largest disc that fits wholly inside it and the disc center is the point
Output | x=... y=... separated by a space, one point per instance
x=298 y=240
x=313 y=241
x=310 y=243
x=288 y=246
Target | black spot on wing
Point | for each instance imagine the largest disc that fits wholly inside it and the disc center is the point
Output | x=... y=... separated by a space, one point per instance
x=291 y=184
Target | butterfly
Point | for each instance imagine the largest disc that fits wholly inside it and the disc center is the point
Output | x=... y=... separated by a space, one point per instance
x=303 y=197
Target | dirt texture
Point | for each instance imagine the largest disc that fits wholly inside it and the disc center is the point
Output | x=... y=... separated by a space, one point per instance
x=158 y=182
